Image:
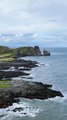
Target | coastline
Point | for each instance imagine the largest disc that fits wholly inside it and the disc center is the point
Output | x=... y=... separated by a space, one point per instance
x=11 y=90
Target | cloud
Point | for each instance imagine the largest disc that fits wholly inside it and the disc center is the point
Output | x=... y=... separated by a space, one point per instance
x=33 y=20
x=27 y=15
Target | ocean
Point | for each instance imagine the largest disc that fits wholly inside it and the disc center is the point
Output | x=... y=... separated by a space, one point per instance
x=51 y=70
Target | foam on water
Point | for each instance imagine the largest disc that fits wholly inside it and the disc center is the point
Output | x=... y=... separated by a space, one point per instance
x=26 y=109
x=43 y=64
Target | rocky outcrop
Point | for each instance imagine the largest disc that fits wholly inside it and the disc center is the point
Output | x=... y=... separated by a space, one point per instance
x=11 y=90
x=9 y=74
x=37 y=51
x=46 y=53
x=26 y=89
x=16 y=68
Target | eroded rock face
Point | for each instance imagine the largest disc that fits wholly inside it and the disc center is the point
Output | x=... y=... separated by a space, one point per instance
x=37 y=51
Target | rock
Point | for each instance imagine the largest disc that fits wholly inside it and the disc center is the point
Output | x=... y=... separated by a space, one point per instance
x=26 y=89
x=9 y=74
x=22 y=88
x=27 y=64
x=18 y=109
x=46 y=53
x=37 y=51
x=11 y=69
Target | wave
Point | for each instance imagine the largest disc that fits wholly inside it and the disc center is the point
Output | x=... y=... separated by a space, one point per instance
x=43 y=64
x=19 y=109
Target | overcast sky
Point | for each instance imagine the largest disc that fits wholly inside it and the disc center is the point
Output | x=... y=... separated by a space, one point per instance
x=30 y=22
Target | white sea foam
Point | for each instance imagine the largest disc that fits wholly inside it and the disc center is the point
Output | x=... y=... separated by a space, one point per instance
x=43 y=65
x=10 y=69
x=31 y=75
x=26 y=109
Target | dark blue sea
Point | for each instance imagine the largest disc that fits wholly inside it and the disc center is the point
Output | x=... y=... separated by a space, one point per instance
x=52 y=70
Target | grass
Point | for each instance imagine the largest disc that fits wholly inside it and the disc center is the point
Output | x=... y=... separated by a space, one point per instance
x=5 y=55
x=7 y=59
x=4 y=84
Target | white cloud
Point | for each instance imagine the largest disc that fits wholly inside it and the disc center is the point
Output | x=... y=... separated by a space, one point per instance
x=34 y=16
x=39 y=15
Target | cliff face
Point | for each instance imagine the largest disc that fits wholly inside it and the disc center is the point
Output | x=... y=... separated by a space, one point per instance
x=37 y=51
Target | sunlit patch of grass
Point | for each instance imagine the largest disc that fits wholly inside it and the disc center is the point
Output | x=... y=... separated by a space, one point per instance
x=7 y=59
x=4 y=84
x=5 y=55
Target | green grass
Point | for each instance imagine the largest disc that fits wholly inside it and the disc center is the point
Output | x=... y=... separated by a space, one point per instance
x=4 y=84
x=7 y=59
x=5 y=55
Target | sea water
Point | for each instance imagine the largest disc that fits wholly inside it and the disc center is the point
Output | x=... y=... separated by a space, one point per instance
x=51 y=70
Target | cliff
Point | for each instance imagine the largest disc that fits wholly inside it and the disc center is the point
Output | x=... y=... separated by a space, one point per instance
x=21 y=52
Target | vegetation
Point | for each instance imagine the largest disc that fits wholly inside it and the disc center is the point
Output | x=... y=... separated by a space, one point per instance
x=7 y=59
x=25 y=50
x=5 y=50
x=4 y=84
x=8 y=54
x=5 y=55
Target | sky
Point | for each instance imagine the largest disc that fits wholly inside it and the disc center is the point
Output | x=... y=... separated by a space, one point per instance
x=33 y=22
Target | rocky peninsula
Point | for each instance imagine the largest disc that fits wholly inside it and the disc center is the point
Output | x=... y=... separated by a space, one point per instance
x=11 y=90
x=6 y=52
x=11 y=66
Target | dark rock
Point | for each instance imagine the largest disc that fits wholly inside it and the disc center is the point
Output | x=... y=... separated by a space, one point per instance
x=18 y=109
x=26 y=89
x=37 y=51
x=27 y=64
x=46 y=53
x=9 y=74
x=11 y=69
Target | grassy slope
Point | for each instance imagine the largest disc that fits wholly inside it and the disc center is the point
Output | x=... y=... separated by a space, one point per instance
x=26 y=50
x=6 y=54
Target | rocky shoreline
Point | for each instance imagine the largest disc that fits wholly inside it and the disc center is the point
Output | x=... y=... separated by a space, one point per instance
x=11 y=90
